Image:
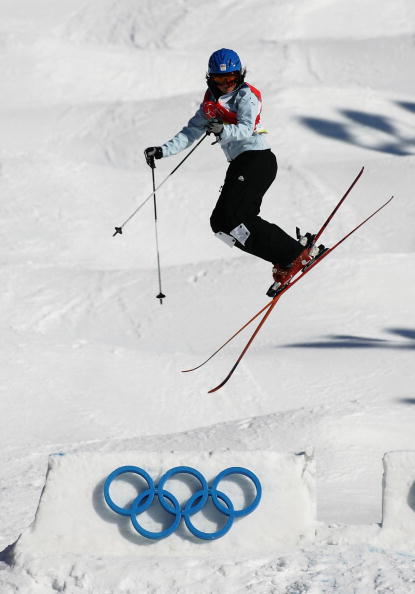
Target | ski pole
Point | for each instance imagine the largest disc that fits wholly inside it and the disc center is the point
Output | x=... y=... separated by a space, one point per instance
x=118 y=230
x=161 y=295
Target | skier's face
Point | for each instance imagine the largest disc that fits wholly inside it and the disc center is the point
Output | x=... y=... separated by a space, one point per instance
x=225 y=82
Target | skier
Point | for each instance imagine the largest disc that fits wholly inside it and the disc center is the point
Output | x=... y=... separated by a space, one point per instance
x=231 y=110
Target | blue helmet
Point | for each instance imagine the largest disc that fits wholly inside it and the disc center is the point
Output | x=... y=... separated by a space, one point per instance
x=223 y=61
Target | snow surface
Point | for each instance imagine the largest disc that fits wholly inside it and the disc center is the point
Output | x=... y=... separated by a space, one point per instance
x=91 y=361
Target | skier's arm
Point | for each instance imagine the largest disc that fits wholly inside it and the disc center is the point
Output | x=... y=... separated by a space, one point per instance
x=248 y=109
x=187 y=135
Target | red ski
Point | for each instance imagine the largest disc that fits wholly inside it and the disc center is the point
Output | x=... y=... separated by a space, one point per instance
x=326 y=222
x=284 y=289
x=270 y=306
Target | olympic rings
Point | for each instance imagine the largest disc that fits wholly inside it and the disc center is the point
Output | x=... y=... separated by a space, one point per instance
x=169 y=503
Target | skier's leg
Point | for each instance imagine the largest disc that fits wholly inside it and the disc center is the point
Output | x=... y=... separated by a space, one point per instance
x=236 y=212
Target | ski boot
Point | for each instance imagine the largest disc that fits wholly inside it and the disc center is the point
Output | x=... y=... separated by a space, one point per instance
x=283 y=275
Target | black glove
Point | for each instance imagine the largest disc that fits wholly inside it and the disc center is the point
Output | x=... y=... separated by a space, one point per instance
x=214 y=126
x=151 y=153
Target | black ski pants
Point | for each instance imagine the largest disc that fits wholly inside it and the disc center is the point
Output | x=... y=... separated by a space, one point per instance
x=247 y=179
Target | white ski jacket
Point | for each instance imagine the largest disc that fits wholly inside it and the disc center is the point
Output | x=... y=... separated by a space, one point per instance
x=242 y=106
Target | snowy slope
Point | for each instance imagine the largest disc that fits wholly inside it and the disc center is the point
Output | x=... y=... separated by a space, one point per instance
x=91 y=361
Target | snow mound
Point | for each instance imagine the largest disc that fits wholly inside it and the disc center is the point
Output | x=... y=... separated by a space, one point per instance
x=139 y=25
x=399 y=496
x=189 y=23
x=73 y=517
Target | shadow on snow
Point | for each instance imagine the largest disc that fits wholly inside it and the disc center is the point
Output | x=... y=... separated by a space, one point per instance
x=384 y=132
x=407 y=400
x=345 y=341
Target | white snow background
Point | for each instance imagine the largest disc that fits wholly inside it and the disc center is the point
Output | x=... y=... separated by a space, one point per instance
x=90 y=359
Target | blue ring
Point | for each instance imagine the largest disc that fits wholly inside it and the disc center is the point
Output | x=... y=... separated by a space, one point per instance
x=126 y=511
x=162 y=533
x=171 y=505
x=209 y=535
x=184 y=470
x=237 y=470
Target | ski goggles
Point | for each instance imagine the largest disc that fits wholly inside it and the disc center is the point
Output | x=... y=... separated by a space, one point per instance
x=224 y=79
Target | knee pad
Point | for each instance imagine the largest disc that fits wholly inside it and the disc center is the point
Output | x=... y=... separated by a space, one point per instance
x=241 y=233
x=228 y=239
